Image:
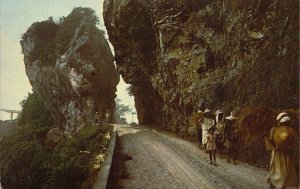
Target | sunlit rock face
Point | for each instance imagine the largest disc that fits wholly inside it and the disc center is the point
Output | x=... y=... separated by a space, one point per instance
x=217 y=54
x=70 y=65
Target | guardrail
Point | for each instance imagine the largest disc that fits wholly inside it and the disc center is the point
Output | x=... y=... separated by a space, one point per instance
x=102 y=178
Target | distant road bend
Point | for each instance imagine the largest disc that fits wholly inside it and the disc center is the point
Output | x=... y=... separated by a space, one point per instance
x=162 y=161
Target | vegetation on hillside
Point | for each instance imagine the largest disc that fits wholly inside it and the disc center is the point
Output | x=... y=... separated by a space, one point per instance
x=7 y=128
x=26 y=163
x=52 y=38
x=69 y=24
x=45 y=46
x=34 y=112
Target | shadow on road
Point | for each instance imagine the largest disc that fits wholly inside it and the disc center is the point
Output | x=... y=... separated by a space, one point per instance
x=118 y=170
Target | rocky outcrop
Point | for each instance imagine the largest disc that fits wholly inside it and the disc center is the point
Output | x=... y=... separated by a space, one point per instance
x=148 y=105
x=220 y=54
x=70 y=65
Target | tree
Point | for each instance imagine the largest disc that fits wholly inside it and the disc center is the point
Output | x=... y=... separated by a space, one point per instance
x=130 y=90
x=35 y=112
x=121 y=109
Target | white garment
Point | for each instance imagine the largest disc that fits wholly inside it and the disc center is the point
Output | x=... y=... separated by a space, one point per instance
x=205 y=124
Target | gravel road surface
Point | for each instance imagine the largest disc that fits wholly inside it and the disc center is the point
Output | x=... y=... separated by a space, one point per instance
x=163 y=161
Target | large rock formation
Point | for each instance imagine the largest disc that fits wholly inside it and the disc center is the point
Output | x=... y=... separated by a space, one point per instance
x=220 y=54
x=70 y=65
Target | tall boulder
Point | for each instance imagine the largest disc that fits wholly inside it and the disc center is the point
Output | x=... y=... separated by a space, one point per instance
x=70 y=65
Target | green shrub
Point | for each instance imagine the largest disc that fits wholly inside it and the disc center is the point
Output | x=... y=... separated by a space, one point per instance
x=34 y=112
x=20 y=161
x=69 y=24
x=25 y=163
x=52 y=39
x=44 y=35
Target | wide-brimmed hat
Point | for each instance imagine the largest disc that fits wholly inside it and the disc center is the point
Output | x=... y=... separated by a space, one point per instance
x=232 y=116
x=207 y=111
x=283 y=117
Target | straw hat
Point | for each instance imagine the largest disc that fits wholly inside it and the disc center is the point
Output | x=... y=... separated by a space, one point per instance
x=283 y=117
x=207 y=111
x=232 y=116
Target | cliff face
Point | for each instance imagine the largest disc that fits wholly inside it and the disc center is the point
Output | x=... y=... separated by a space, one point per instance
x=70 y=65
x=217 y=54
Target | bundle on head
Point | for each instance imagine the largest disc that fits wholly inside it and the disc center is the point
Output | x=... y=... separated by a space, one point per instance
x=194 y=119
x=194 y=123
x=254 y=124
x=291 y=143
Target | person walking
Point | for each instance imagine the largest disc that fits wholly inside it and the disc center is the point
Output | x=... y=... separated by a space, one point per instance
x=211 y=145
x=283 y=141
x=205 y=123
x=231 y=139
x=220 y=124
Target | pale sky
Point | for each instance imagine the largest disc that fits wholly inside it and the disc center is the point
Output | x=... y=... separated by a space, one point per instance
x=15 y=17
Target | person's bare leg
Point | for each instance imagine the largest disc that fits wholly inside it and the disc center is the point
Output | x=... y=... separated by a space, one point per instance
x=214 y=156
x=272 y=186
x=199 y=138
x=210 y=156
x=228 y=154
x=235 y=153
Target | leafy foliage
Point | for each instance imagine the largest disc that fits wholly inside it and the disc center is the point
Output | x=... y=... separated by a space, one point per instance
x=67 y=166
x=44 y=33
x=130 y=90
x=120 y=112
x=18 y=150
x=52 y=38
x=70 y=23
x=34 y=112
x=26 y=164
x=121 y=109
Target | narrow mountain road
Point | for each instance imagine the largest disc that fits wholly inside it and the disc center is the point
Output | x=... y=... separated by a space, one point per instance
x=162 y=161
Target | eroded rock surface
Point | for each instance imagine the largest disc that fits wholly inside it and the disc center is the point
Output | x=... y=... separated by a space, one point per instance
x=217 y=54
x=70 y=65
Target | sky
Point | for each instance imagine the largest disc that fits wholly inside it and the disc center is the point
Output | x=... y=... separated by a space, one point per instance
x=15 y=17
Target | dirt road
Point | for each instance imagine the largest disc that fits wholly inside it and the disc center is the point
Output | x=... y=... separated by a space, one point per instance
x=162 y=161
